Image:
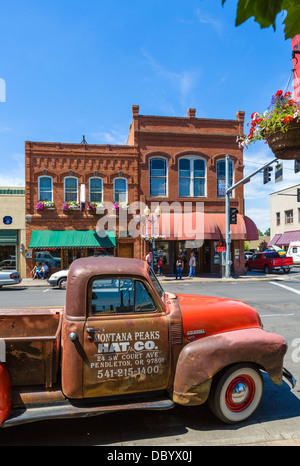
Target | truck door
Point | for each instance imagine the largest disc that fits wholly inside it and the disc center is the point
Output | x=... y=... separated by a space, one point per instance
x=126 y=339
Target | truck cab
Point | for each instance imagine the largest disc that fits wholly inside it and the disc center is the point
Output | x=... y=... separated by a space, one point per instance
x=121 y=342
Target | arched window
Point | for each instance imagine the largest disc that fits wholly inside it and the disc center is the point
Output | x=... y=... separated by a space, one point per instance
x=221 y=177
x=96 y=190
x=45 y=188
x=120 y=190
x=71 y=189
x=192 y=177
x=158 y=177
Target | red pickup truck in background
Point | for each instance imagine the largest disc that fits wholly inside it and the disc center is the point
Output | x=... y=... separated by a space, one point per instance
x=269 y=261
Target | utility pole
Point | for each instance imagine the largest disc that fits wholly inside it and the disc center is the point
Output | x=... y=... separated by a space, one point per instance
x=229 y=190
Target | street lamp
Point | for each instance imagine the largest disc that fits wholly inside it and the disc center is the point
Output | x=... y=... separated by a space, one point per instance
x=147 y=213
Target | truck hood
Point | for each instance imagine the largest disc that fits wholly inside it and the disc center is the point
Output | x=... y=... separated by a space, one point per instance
x=204 y=315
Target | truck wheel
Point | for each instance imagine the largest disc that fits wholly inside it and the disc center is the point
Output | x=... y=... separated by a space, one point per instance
x=286 y=270
x=267 y=269
x=62 y=283
x=236 y=393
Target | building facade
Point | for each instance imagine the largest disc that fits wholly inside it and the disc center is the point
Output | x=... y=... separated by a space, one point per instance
x=284 y=217
x=12 y=229
x=174 y=163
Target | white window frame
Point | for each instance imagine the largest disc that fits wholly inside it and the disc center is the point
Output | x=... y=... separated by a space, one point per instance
x=116 y=179
x=191 y=159
x=95 y=178
x=65 y=179
x=162 y=177
x=39 y=187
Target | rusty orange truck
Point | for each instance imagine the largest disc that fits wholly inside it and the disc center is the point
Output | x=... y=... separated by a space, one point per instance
x=122 y=343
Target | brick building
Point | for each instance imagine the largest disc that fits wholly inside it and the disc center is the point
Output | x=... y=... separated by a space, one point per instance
x=166 y=160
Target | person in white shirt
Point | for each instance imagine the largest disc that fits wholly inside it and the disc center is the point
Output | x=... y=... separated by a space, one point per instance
x=44 y=271
x=192 y=264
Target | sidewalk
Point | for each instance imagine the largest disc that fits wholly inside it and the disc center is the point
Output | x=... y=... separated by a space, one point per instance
x=166 y=279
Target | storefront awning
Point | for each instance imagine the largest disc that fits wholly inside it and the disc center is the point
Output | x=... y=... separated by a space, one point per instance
x=245 y=229
x=186 y=226
x=274 y=240
x=71 y=239
x=288 y=237
x=200 y=225
x=8 y=237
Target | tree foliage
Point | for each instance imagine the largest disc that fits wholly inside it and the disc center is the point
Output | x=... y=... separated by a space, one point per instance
x=266 y=11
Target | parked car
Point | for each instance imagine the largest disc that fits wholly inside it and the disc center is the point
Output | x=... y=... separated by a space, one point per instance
x=8 y=264
x=45 y=256
x=9 y=277
x=59 y=279
x=269 y=261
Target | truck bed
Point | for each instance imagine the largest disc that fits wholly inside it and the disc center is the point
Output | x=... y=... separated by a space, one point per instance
x=32 y=338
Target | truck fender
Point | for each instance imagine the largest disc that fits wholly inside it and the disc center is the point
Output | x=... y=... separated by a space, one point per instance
x=5 y=388
x=201 y=359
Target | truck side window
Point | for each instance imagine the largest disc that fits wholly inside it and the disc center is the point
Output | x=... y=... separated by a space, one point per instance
x=118 y=296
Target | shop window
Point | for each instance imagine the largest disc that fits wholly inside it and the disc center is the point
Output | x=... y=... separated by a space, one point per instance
x=161 y=249
x=192 y=177
x=221 y=177
x=120 y=190
x=158 y=177
x=277 y=218
x=96 y=190
x=289 y=216
x=71 y=189
x=45 y=188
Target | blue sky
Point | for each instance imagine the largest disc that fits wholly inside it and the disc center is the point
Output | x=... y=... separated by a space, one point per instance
x=73 y=67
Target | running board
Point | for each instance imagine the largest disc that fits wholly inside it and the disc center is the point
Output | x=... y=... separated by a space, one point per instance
x=65 y=409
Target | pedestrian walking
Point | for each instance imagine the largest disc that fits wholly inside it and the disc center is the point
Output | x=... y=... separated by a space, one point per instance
x=192 y=264
x=160 y=261
x=179 y=268
x=149 y=258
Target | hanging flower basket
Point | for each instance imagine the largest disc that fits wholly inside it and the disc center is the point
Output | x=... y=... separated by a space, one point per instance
x=286 y=145
x=279 y=127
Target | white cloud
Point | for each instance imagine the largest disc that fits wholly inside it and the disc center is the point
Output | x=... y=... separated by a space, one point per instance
x=182 y=81
x=204 y=18
x=110 y=137
x=16 y=175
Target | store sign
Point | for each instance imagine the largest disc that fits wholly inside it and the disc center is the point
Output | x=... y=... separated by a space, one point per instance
x=7 y=220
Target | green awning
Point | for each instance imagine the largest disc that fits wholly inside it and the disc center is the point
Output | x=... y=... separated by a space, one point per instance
x=8 y=237
x=72 y=239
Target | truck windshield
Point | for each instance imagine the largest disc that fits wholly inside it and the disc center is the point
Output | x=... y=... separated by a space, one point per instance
x=156 y=284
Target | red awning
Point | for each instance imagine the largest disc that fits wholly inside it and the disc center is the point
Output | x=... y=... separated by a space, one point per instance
x=199 y=225
x=288 y=237
x=274 y=240
x=244 y=229
x=186 y=226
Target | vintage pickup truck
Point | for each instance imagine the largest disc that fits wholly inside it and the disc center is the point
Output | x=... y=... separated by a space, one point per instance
x=122 y=343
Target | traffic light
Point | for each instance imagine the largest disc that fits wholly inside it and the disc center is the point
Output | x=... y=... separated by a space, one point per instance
x=267 y=174
x=278 y=172
x=233 y=215
x=298 y=194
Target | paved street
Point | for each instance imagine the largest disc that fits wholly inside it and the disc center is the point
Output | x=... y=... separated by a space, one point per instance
x=278 y=417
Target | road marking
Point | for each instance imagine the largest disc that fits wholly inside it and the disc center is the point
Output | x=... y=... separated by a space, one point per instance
x=276 y=315
x=46 y=290
x=286 y=287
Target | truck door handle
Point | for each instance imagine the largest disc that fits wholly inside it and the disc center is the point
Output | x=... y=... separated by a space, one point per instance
x=92 y=329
